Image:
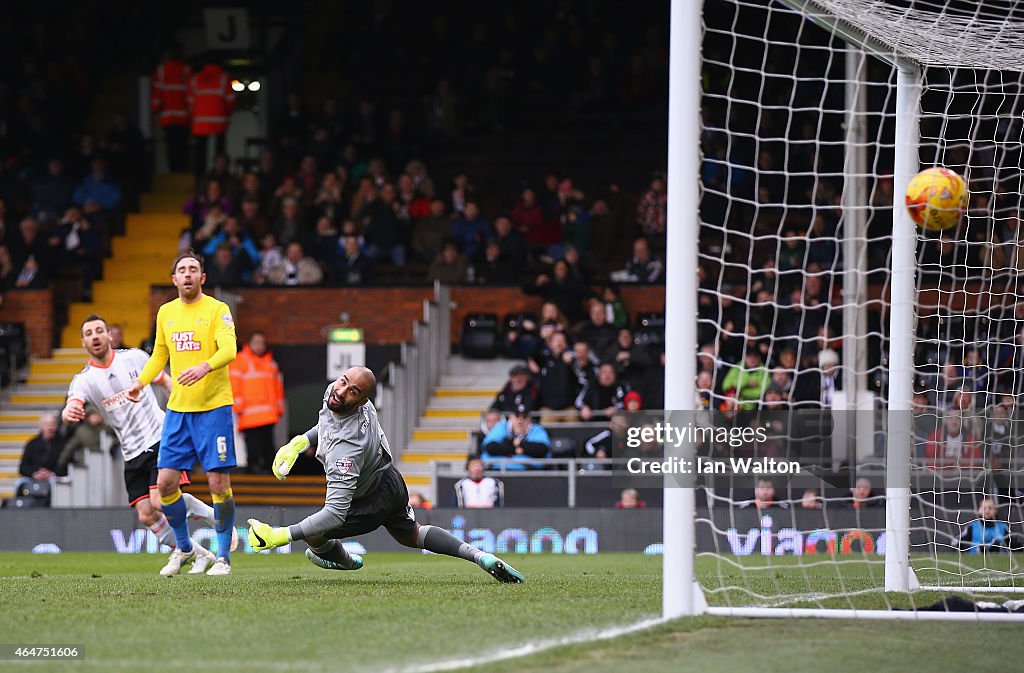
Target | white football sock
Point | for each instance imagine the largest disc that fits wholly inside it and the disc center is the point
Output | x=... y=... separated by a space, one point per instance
x=197 y=509
x=163 y=531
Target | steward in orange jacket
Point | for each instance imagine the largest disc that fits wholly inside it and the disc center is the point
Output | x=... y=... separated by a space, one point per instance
x=169 y=101
x=258 y=388
x=210 y=101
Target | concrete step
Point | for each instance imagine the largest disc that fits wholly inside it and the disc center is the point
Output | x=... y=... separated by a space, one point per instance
x=451 y=412
x=417 y=480
x=57 y=378
x=477 y=403
x=66 y=354
x=128 y=247
x=465 y=423
x=161 y=203
x=21 y=426
x=63 y=367
x=440 y=434
x=8 y=416
x=431 y=445
x=24 y=401
x=127 y=292
x=497 y=367
x=145 y=271
x=14 y=437
x=174 y=183
x=448 y=456
x=473 y=381
x=487 y=393
x=45 y=387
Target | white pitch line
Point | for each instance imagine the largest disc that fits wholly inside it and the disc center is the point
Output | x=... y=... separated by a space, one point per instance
x=526 y=649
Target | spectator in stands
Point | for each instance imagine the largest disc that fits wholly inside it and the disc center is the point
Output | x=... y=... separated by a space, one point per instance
x=746 y=382
x=225 y=269
x=116 y=333
x=493 y=269
x=271 y=256
x=599 y=335
x=519 y=390
x=616 y=313
x=643 y=267
x=251 y=219
x=811 y=499
x=39 y=459
x=863 y=495
x=258 y=389
x=243 y=247
x=652 y=211
x=584 y=367
x=633 y=401
x=80 y=247
x=97 y=194
x=384 y=231
x=461 y=194
x=816 y=389
x=8 y=272
x=449 y=266
x=610 y=442
x=198 y=207
x=428 y=234
x=471 y=230
x=988 y=535
x=88 y=436
x=477 y=491
x=951 y=444
x=289 y=227
x=324 y=242
x=603 y=397
x=296 y=269
x=352 y=267
x=764 y=496
x=32 y=275
x=512 y=245
x=630 y=499
x=418 y=501
x=528 y=216
x=557 y=381
x=519 y=440
x=561 y=289
x=51 y=193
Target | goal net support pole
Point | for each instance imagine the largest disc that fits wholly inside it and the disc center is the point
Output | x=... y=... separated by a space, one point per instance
x=680 y=594
x=902 y=304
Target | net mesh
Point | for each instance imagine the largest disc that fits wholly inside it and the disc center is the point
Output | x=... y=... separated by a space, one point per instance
x=795 y=247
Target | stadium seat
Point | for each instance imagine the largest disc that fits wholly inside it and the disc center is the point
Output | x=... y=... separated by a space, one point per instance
x=480 y=336
x=24 y=502
x=14 y=341
x=563 y=447
x=514 y=321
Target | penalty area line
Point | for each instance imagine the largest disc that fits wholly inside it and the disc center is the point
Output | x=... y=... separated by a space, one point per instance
x=526 y=649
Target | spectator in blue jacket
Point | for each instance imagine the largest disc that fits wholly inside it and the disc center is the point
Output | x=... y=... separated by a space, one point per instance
x=97 y=193
x=471 y=230
x=243 y=248
x=518 y=440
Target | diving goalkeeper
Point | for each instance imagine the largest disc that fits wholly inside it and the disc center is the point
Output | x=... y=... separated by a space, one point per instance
x=364 y=489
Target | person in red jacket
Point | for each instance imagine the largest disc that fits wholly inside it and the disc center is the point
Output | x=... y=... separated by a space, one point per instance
x=211 y=101
x=258 y=389
x=169 y=101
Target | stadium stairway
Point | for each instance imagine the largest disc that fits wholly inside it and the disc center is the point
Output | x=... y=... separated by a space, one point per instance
x=141 y=257
x=44 y=390
x=453 y=411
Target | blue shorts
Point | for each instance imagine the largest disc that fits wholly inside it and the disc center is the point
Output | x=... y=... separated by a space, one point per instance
x=204 y=436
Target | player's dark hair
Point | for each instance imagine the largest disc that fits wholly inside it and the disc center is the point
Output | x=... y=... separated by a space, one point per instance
x=185 y=255
x=91 y=317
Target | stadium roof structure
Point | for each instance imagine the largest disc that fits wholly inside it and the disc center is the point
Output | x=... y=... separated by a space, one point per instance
x=987 y=35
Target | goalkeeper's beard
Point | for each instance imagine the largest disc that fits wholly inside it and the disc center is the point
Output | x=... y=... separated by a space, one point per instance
x=342 y=408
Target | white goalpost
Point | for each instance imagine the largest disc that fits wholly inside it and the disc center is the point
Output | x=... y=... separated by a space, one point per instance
x=796 y=272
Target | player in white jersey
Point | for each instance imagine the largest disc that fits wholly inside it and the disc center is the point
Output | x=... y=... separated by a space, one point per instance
x=104 y=385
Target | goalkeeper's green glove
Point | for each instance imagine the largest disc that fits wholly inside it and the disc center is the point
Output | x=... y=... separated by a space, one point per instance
x=263 y=536
x=287 y=455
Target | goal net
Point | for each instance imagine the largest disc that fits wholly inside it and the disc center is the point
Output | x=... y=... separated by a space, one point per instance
x=885 y=359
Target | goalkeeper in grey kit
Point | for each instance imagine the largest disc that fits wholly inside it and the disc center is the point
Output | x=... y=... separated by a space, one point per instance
x=364 y=489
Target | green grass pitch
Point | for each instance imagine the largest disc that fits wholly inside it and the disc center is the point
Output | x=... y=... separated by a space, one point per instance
x=408 y=611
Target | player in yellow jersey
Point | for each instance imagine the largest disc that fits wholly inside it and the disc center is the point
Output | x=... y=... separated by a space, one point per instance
x=196 y=333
